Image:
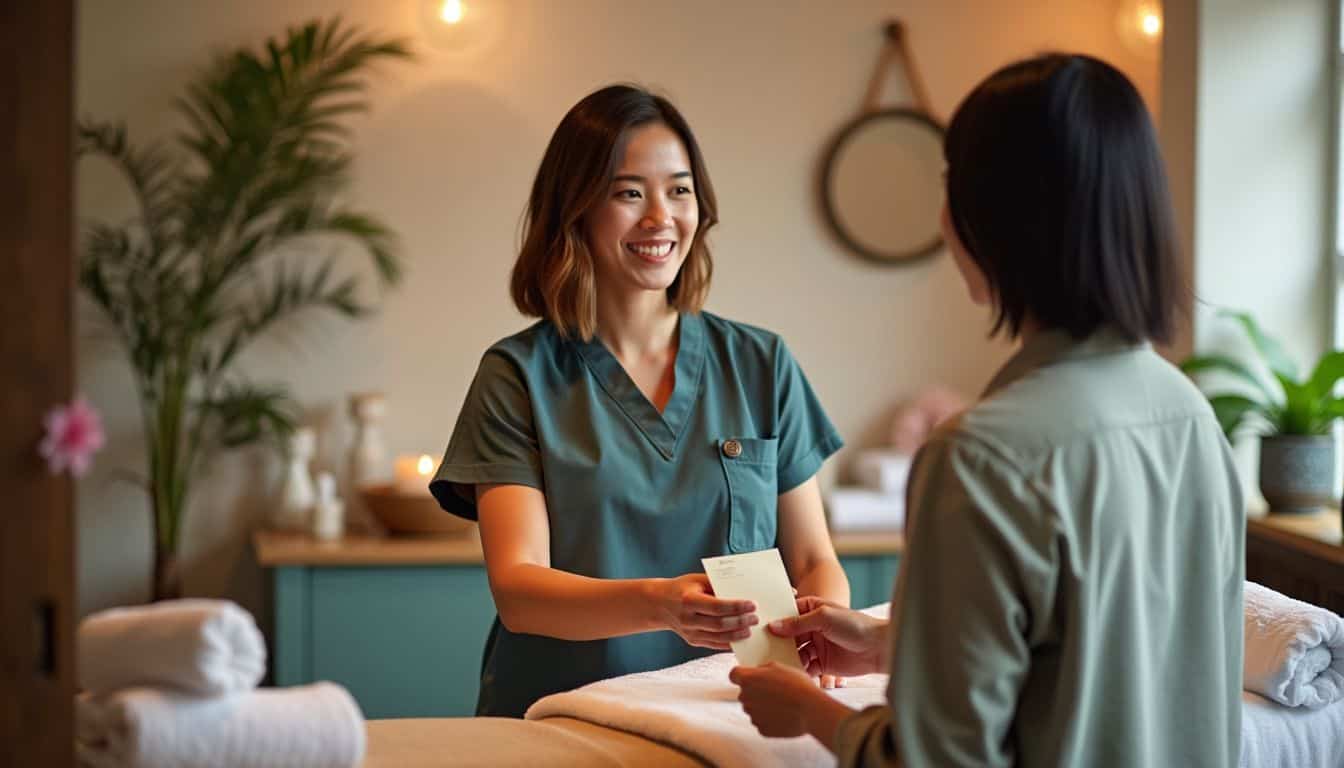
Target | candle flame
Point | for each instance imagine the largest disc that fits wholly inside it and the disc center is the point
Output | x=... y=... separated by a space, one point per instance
x=425 y=465
x=451 y=11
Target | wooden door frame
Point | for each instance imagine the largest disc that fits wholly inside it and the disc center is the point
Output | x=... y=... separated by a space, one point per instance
x=37 y=531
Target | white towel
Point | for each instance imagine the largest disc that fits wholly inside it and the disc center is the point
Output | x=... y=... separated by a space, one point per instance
x=860 y=509
x=1294 y=650
x=197 y=646
x=883 y=471
x=1275 y=736
x=693 y=707
x=311 y=726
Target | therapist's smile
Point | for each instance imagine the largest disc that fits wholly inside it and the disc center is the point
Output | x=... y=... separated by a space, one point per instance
x=652 y=251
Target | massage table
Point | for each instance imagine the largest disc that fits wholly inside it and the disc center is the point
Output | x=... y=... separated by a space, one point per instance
x=557 y=742
x=688 y=715
x=1273 y=736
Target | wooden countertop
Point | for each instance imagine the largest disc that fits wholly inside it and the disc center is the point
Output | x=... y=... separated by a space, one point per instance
x=274 y=548
x=852 y=543
x=1318 y=533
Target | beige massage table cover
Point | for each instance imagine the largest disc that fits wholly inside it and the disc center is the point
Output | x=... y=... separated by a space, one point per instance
x=496 y=741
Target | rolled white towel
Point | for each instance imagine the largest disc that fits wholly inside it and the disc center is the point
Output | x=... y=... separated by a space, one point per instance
x=1294 y=650
x=311 y=726
x=883 y=471
x=200 y=646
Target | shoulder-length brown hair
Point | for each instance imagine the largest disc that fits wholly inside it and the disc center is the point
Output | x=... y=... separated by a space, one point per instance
x=554 y=276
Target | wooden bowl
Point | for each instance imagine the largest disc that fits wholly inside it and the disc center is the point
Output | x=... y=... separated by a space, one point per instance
x=412 y=514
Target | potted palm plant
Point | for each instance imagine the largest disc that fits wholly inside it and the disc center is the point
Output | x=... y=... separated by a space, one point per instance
x=212 y=260
x=1292 y=415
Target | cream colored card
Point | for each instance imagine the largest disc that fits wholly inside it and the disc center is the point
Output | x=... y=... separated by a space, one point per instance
x=759 y=577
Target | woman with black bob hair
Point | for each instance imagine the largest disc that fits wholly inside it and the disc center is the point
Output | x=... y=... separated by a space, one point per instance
x=1072 y=590
x=1056 y=193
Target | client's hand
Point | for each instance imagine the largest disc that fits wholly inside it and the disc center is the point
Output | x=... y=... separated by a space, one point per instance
x=834 y=640
x=785 y=702
x=686 y=605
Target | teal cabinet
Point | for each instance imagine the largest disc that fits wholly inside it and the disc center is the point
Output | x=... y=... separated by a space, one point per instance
x=871 y=578
x=406 y=640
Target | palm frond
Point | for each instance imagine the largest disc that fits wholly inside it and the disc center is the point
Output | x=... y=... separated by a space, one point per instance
x=376 y=238
x=303 y=179
x=267 y=154
x=308 y=220
x=292 y=291
x=288 y=292
x=137 y=296
x=243 y=413
x=150 y=171
x=251 y=110
x=102 y=268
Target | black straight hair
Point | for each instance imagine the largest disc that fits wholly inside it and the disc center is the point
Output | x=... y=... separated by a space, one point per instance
x=1056 y=187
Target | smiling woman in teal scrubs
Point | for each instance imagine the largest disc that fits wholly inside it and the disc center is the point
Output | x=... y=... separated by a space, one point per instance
x=609 y=447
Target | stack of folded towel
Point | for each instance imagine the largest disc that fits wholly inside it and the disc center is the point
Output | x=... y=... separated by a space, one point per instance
x=878 y=502
x=174 y=683
x=1294 y=650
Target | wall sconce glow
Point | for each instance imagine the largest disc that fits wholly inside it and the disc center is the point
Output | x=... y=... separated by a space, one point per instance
x=1140 y=24
x=425 y=465
x=462 y=29
x=451 y=11
x=1151 y=24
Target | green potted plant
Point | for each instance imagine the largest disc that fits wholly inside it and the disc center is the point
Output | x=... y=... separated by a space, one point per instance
x=209 y=262
x=1292 y=416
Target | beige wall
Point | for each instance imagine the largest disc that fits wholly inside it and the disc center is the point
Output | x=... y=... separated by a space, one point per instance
x=447 y=155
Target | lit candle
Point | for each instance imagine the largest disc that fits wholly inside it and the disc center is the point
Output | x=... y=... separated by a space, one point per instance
x=413 y=474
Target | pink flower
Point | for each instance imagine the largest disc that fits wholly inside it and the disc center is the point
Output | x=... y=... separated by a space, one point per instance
x=74 y=434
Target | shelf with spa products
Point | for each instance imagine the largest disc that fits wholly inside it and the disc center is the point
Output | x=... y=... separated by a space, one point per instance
x=401 y=621
x=1301 y=556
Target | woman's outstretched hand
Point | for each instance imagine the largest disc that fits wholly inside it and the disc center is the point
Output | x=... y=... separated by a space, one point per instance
x=686 y=605
x=834 y=640
x=784 y=702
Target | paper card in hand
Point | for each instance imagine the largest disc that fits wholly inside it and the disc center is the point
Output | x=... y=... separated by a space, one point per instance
x=759 y=577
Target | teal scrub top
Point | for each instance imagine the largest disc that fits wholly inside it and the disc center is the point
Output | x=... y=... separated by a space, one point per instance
x=630 y=492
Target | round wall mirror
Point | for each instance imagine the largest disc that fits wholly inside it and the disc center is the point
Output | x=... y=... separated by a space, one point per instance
x=882 y=185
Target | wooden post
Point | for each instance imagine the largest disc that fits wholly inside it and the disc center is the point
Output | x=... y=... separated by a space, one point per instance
x=37 y=536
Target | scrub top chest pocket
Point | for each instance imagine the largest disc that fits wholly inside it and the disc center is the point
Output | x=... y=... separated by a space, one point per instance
x=749 y=467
